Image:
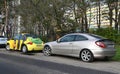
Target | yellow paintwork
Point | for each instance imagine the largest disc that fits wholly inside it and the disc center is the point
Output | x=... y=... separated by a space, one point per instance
x=13 y=44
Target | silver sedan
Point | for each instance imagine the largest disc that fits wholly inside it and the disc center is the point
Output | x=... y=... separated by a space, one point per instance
x=85 y=46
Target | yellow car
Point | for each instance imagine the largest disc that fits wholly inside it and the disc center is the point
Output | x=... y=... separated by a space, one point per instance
x=25 y=42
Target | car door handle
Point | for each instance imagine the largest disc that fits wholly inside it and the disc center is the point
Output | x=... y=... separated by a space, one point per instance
x=70 y=43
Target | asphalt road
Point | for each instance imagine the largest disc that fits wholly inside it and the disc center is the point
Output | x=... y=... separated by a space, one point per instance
x=17 y=63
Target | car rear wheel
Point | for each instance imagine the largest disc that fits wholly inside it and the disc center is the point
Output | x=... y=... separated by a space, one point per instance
x=24 y=49
x=8 y=47
x=86 y=56
x=47 y=51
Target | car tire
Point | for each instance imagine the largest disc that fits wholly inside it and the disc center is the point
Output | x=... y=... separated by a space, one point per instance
x=8 y=47
x=47 y=51
x=24 y=49
x=86 y=56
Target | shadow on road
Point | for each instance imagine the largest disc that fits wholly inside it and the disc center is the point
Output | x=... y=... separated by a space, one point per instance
x=31 y=53
x=78 y=59
x=1 y=47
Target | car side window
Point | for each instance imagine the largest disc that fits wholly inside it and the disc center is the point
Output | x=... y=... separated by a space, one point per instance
x=24 y=37
x=68 y=38
x=80 y=38
x=16 y=37
x=20 y=37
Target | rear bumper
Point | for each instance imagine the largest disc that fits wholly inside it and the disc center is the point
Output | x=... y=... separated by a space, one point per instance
x=34 y=48
x=102 y=54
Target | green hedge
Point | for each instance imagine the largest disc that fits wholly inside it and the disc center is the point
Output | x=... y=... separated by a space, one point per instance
x=108 y=33
x=117 y=56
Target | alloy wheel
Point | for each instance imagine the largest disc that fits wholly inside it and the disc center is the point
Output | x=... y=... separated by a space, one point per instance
x=24 y=49
x=86 y=56
x=47 y=51
x=7 y=47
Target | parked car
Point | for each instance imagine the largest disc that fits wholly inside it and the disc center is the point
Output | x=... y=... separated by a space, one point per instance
x=25 y=42
x=85 y=46
x=3 y=41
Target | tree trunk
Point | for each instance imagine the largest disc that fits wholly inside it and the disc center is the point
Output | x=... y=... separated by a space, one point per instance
x=82 y=25
x=99 y=22
x=116 y=15
x=119 y=19
x=86 y=23
x=116 y=22
x=110 y=17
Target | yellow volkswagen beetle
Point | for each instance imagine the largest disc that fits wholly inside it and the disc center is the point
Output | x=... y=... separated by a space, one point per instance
x=25 y=42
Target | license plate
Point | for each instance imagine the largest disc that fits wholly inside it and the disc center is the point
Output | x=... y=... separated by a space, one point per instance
x=110 y=45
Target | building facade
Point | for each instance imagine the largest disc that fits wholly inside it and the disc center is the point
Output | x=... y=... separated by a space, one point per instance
x=93 y=15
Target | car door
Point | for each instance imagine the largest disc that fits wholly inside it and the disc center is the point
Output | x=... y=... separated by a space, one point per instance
x=18 y=40
x=79 y=43
x=64 y=46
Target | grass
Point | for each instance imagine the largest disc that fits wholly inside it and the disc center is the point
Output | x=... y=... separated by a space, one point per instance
x=117 y=56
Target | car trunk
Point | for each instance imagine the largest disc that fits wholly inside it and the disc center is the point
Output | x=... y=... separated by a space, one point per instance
x=109 y=44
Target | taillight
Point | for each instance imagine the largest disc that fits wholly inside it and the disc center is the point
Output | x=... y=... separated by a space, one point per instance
x=30 y=43
x=100 y=44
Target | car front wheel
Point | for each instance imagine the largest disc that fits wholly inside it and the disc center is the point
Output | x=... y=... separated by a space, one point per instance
x=24 y=49
x=8 y=47
x=86 y=56
x=47 y=51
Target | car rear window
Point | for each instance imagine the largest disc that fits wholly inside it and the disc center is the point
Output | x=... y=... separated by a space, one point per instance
x=29 y=35
x=97 y=36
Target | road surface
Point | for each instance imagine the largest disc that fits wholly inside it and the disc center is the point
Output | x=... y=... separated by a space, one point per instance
x=17 y=63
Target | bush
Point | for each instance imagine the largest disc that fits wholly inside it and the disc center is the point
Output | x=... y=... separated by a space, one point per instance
x=117 y=56
x=108 y=33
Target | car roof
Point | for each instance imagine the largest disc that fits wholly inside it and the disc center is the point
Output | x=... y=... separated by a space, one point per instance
x=78 y=34
x=88 y=35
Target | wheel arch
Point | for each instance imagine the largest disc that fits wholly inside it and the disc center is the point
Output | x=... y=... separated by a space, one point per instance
x=7 y=46
x=10 y=45
x=47 y=45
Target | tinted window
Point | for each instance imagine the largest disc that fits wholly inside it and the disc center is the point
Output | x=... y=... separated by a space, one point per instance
x=80 y=38
x=68 y=38
x=20 y=37
x=23 y=37
x=97 y=36
x=16 y=37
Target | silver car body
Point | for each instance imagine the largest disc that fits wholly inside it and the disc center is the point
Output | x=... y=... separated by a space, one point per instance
x=74 y=48
x=3 y=41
